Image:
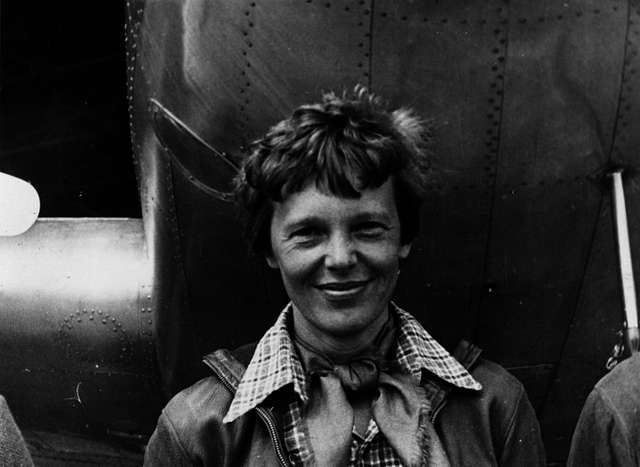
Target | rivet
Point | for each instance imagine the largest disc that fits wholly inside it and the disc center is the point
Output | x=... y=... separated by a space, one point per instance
x=104 y=321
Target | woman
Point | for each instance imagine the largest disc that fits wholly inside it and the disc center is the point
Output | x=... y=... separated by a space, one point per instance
x=344 y=376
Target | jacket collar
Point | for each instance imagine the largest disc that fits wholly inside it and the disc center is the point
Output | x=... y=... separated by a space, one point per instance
x=275 y=363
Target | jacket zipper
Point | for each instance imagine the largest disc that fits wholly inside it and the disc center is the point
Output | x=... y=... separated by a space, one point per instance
x=263 y=414
x=268 y=420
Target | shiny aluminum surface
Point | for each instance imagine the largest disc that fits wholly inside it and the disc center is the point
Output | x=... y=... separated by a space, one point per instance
x=76 y=323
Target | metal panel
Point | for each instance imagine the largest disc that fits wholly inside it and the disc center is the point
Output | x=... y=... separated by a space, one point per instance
x=76 y=326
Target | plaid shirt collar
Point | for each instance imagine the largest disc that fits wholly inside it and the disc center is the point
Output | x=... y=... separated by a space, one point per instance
x=275 y=363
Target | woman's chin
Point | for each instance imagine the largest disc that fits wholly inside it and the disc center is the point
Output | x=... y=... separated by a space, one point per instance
x=346 y=321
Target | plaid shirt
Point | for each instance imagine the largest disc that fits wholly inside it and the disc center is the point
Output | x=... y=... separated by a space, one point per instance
x=276 y=364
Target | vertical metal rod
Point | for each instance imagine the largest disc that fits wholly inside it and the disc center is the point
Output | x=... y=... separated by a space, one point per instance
x=626 y=266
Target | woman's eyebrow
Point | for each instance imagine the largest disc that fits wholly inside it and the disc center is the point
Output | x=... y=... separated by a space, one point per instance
x=305 y=221
x=369 y=216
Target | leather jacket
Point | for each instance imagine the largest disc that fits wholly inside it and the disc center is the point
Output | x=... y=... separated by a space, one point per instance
x=496 y=426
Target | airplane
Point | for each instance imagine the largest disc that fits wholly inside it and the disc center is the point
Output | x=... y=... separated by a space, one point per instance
x=534 y=107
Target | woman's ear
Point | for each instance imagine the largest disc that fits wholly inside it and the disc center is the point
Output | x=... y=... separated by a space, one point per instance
x=271 y=261
x=404 y=250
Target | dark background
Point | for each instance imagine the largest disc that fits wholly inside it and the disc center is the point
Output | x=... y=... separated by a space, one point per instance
x=63 y=119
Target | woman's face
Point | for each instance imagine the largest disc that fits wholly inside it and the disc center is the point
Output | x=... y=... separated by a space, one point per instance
x=338 y=257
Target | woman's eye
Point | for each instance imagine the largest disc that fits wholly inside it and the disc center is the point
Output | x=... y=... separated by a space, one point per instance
x=371 y=230
x=306 y=235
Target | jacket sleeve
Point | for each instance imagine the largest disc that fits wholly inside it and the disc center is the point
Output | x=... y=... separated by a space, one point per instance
x=189 y=430
x=165 y=447
x=600 y=437
x=523 y=442
x=13 y=449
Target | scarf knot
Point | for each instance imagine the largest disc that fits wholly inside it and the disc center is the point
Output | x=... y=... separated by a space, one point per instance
x=398 y=405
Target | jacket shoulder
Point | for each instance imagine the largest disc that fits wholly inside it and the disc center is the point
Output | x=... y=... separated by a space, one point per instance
x=496 y=381
x=493 y=426
x=622 y=381
x=608 y=430
x=189 y=429
x=198 y=407
x=208 y=399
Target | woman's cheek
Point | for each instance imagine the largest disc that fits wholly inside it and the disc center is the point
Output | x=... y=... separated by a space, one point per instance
x=381 y=255
x=299 y=263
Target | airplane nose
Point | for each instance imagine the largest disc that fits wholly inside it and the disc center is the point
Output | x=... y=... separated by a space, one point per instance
x=340 y=253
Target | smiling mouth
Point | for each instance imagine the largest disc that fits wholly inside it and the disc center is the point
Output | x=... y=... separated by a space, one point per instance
x=342 y=290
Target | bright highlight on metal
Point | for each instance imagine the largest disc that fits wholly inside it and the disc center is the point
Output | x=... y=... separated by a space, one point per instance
x=624 y=252
x=19 y=205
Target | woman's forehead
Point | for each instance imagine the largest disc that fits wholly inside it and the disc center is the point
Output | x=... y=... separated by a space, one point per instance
x=313 y=202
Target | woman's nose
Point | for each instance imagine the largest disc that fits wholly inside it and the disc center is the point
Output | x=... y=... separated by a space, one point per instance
x=340 y=253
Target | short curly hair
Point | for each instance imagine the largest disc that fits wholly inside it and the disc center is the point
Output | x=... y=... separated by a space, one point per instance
x=345 y=144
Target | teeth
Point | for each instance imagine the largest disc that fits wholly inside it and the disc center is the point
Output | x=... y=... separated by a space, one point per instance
x=341 y=286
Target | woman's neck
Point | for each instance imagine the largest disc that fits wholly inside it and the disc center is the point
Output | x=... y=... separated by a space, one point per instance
x=339 y=347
